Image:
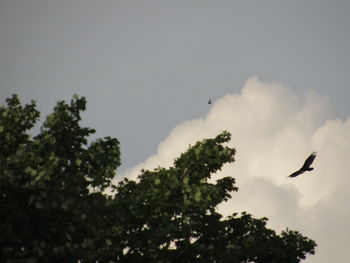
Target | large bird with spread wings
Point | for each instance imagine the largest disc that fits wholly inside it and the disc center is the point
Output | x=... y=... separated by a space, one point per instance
x=306 y=166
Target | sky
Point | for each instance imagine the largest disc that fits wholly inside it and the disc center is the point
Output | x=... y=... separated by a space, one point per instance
x=276 y=71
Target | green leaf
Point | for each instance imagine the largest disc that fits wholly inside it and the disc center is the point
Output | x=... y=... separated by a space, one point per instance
x=198 y=196
x=78 y=162
x=186 y=179
x=157 y=181
x=4 y=113
x=108 y=242
x=38 y=205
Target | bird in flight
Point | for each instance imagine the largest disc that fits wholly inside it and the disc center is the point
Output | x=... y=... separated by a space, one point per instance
x=209 y=102
x=306 y=166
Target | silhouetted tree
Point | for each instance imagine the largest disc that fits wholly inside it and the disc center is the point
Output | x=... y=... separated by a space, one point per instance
x=53 y=205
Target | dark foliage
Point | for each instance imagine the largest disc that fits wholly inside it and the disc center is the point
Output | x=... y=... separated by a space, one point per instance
x=53 y=205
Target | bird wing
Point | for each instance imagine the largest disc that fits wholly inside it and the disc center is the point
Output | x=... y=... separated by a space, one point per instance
x=296 y=173
x=309 y=161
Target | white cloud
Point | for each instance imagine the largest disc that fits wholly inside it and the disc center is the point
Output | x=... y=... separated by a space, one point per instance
x=274 y=130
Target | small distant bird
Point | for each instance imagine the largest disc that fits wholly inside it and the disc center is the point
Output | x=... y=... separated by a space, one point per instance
x=209 y=102
x=306 y=166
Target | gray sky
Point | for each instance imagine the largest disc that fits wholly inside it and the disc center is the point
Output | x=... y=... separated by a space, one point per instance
x=147 y=66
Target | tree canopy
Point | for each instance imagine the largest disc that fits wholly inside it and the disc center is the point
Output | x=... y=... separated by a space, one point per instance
x=54 y=206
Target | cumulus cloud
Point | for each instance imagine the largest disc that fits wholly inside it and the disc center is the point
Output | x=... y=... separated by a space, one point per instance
x=273 y=130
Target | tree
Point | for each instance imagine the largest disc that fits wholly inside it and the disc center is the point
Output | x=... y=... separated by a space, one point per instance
x=54 y=206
